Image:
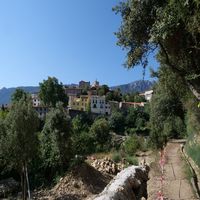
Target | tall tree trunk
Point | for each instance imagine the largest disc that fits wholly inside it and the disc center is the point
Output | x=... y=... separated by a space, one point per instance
x=23 y=183
x=194 y=90
x=27 y=181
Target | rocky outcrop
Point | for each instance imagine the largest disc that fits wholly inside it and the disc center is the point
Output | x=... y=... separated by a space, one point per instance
x=129 y=184
x=8 y=186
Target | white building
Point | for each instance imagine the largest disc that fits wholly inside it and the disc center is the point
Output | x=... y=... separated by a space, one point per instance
x=99 y=105
x=148 y=95
x=36 y=100
x=40 y=109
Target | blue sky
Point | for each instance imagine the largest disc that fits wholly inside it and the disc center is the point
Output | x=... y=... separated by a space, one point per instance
x=70 y=39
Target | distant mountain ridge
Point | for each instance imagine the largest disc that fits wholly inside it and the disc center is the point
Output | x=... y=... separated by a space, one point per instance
x=136 y=86
x=6 y=93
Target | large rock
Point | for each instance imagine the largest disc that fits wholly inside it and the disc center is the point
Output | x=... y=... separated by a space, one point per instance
x=8 y=186
x=129 y=184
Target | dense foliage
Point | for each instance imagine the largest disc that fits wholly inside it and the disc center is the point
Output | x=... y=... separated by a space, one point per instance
x=167 y=116
x=19 y=141
x=171 y=27
x=55 y=139
x=51 y=92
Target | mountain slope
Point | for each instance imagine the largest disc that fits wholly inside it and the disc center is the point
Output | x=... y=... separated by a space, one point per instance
x=6 y=93
x=136 y=86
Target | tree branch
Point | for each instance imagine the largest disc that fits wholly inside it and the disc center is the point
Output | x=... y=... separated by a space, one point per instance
x=179 y=72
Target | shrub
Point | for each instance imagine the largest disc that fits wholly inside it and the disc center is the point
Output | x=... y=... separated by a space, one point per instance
x=132 y=160
x=132 y=144
x=82 y=143
x=116 y=157
x=100 y=133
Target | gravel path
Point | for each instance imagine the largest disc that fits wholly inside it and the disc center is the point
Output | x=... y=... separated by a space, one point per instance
x=176 y=185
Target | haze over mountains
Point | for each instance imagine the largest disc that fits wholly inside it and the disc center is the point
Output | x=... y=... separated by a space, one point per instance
x=136 y=86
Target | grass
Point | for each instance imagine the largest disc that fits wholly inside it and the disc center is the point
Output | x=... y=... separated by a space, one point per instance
x=193 y=152
x=132 y=160
x=188 y=172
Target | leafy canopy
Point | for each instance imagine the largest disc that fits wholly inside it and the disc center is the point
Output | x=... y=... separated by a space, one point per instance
x=171 y=27
x=21 y=141
x=51 y=92
x=55 y=139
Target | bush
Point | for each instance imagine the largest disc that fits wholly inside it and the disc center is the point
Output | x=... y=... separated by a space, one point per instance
x=100 y=133
x=82 y=143
x=132 y=160
x=116 y=157
x=132 y=144
x=117 y=122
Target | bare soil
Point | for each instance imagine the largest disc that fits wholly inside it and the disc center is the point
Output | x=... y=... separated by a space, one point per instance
x=83 y=182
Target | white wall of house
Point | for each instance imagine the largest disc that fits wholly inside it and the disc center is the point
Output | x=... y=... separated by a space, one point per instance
x=36 y=100
x=99 y=105
x=148 y=95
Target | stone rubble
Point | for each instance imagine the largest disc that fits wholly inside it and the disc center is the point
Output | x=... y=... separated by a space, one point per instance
x=106 y=165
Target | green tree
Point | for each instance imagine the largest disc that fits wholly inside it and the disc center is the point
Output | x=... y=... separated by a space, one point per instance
x=114 y=95
x=18 y=94
x=21 y=142
x=82 y=140
x=103 y=90
x=171 y=27
x=80 y=123
x=167 y=113
x=132 y=144
x=83 y=143
x=100 y=133
x=51 y=92
x=55 y=140
x=117 y=122
x=136 y=118
x=3 y=112
x=133 y=97
x=2 y=142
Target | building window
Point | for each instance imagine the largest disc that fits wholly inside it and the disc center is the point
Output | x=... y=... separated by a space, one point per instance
x=94 y=106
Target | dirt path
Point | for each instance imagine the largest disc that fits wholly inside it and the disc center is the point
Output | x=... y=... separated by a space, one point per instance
x=176 y=185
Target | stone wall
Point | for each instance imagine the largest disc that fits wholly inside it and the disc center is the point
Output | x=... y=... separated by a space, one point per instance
x=129 y=184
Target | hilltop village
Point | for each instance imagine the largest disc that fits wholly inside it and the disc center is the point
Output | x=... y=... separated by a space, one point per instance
x=95 y=98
